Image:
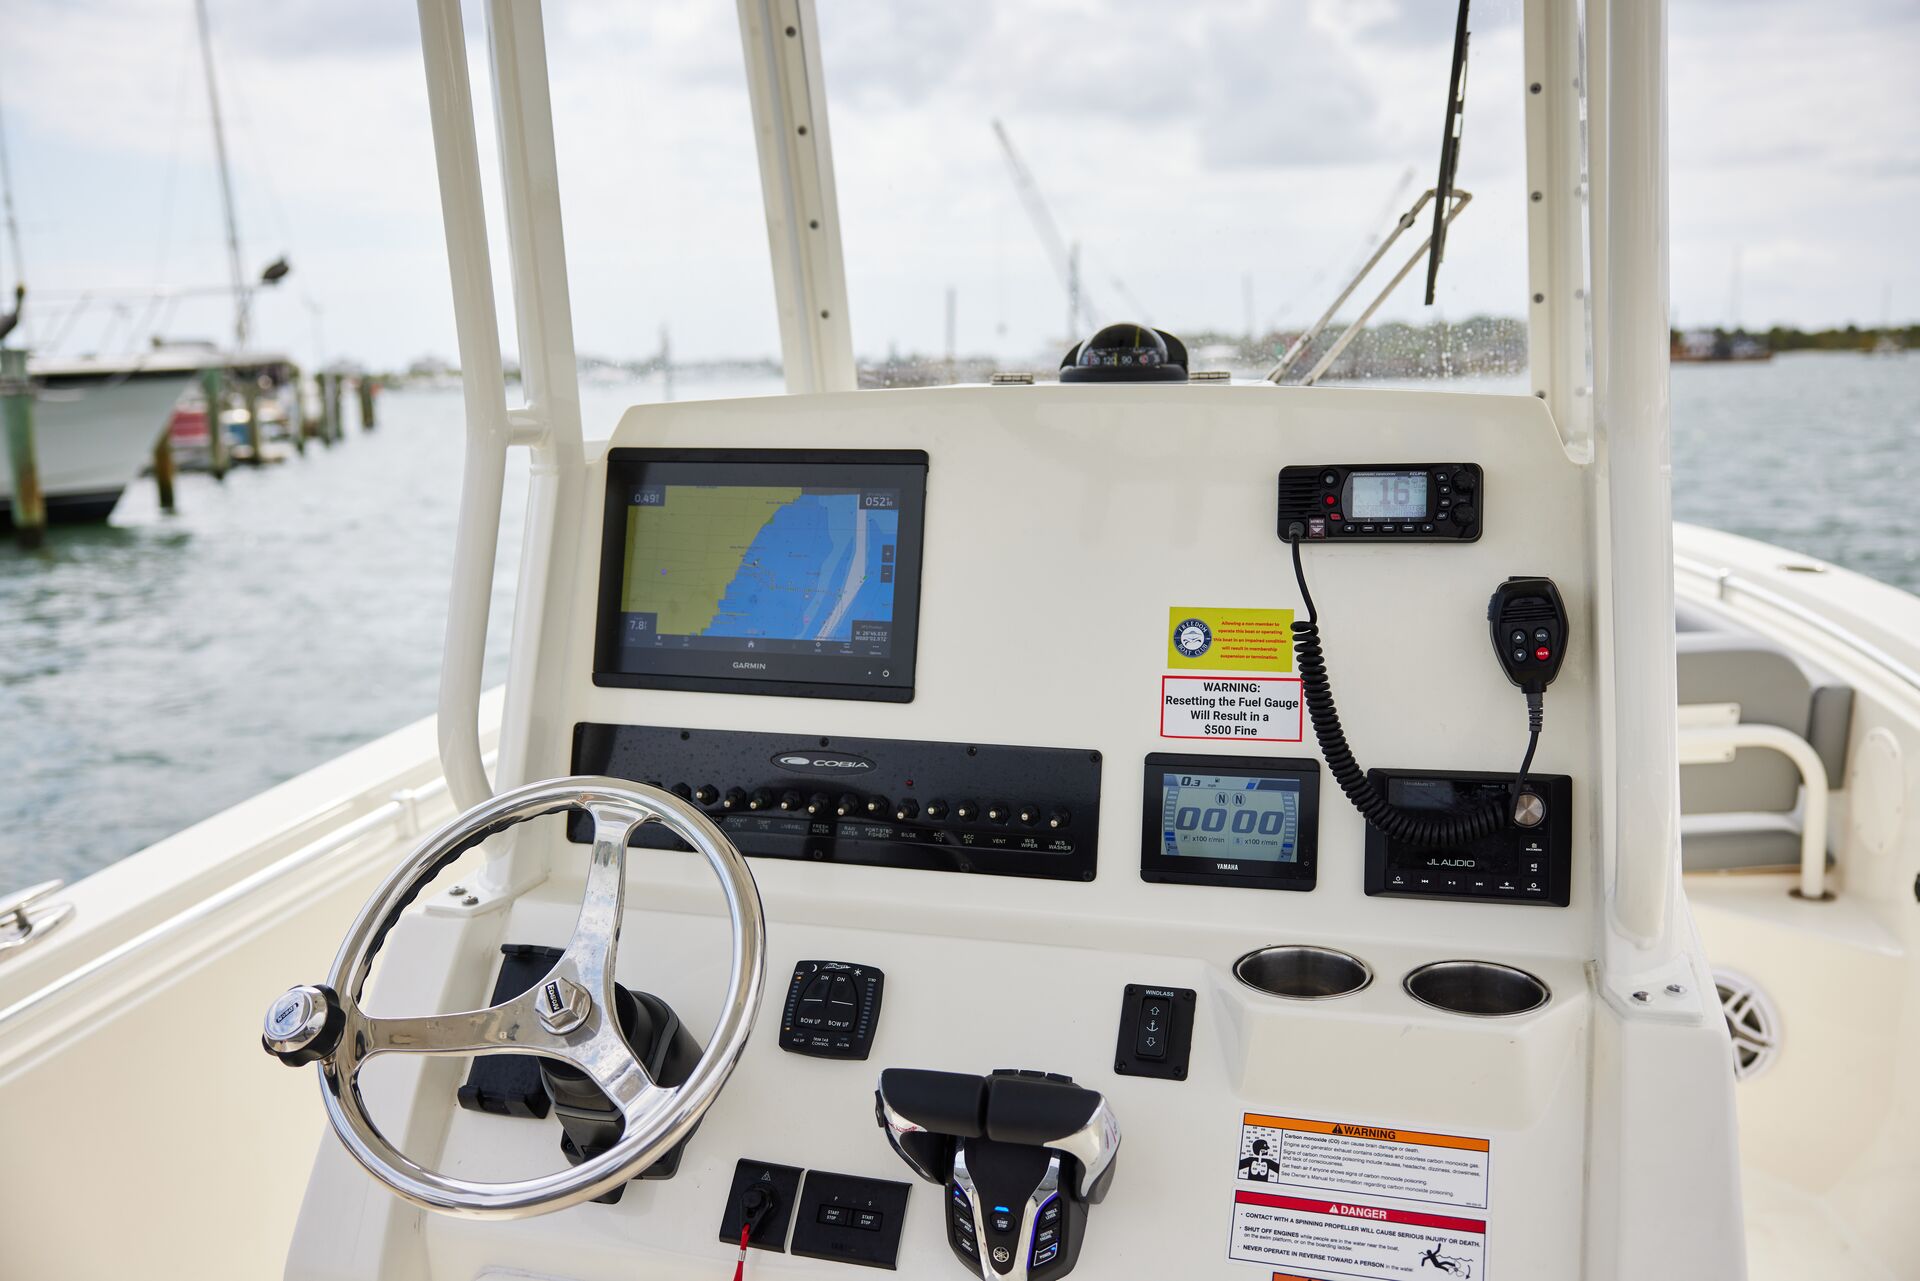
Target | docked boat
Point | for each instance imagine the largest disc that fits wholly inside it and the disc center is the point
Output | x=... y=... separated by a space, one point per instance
x=96 y=422
x=1126 y=826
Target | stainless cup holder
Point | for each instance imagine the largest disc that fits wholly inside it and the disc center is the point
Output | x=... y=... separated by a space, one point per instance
x=1301 y=973
x=1480 y=989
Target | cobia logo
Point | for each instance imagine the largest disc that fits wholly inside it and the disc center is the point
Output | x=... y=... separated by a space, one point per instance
x=822 y=762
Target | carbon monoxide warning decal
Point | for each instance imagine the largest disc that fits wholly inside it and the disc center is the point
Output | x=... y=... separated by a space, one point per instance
x=1328 y=1200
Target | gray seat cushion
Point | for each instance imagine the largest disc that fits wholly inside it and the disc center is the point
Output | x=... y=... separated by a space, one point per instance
x=1738 y=842
x=1738 y=814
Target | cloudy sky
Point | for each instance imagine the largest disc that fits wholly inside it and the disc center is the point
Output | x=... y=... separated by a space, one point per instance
x=1251 y=147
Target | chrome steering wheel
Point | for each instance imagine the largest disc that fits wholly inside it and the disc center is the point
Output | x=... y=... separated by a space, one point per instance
x=569 y=1015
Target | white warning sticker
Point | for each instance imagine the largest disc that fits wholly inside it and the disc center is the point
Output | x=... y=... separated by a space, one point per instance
x=1346 y=1159
x=1340 y=1238
x=1260 y=709
x=1342 y=1199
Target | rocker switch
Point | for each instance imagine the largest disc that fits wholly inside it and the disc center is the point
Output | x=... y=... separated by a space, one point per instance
x=1156 y=1015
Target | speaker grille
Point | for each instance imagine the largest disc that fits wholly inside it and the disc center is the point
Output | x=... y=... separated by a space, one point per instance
x=1752 y=1021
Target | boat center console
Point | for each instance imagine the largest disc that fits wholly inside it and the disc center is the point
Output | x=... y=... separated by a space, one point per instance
x=1132 y=831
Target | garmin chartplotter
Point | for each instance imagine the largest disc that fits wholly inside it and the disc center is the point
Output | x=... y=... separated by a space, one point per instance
x=763 y=571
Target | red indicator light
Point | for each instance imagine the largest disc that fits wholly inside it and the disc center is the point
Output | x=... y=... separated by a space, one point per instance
x=1543 y=653
x=1328 y=500
x=1333 y=516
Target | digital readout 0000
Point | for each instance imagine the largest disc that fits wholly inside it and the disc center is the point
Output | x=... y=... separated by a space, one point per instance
x=1230 y=820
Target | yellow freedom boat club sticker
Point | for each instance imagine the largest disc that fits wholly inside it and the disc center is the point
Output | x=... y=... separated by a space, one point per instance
x=1229 y=640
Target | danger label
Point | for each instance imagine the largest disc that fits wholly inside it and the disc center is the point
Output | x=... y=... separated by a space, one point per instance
x=1338 y=1199
x=1343 y=1158
x=1348 y=1239
x=1262 y=709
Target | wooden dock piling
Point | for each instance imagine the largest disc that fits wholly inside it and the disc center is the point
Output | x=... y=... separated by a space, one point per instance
x=16 y=404
x=256 y=439
x=297 y=413
x=336 y=418
x=367 y=386
x=213 y=387
x=163 y=466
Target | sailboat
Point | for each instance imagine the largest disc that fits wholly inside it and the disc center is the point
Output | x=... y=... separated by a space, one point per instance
x=932 y=829
x=98 y=418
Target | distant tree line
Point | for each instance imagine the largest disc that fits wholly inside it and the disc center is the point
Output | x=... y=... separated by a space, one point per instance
x=1786 y=338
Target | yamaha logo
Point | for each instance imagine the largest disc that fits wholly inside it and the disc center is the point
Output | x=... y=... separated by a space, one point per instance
x=831 y=763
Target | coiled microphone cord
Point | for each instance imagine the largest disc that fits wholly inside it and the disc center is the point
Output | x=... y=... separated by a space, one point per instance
x=1424 y=830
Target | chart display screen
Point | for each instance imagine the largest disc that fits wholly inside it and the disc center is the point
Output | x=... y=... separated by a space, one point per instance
x=726 y=570
x=1387 y=495
x=1230 y=816
x=1230 y=820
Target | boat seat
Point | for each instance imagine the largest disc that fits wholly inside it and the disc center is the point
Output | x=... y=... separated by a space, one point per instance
x=1740 y=815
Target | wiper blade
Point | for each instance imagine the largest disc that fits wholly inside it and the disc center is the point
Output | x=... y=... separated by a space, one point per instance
x=1449 y=149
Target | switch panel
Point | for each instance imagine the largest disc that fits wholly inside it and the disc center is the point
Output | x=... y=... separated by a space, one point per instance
x=850 y=1219
x=1156 y=1032
x=832 y=1009
x=983 y=809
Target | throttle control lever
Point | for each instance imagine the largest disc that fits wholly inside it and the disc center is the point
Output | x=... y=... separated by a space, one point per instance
x=1022 y=1156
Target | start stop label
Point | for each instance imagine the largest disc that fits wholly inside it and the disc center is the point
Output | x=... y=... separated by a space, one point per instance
x=1259 y=709
x=1338 y=1199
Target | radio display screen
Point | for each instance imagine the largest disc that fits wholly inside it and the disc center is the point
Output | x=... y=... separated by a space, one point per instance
x=1223 y=820
x=762 y=571
x=1387 y=495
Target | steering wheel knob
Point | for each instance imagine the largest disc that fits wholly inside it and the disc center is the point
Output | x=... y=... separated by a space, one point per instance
x=304 y=1024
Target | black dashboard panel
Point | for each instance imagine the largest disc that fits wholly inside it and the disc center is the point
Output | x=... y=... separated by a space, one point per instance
x=983 y=808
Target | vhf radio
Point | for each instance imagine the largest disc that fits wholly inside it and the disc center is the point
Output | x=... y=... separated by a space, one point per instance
x=1437 y=834
x=1383 y=502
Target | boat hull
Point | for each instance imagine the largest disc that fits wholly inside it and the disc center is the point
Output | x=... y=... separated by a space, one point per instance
x=92 y=437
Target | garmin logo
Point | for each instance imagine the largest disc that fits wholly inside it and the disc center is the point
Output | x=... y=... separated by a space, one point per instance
x=750 y=667
x=821 y=763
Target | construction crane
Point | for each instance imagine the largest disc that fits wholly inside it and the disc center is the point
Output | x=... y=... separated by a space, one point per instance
x=1066 y=257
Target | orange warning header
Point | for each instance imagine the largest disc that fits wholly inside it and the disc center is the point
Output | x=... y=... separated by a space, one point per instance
x=1380 y=1133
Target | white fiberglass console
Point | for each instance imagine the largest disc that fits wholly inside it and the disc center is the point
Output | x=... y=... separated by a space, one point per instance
x=997 y=691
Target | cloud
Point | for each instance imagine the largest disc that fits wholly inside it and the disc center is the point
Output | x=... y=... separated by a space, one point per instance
x=1185 y=147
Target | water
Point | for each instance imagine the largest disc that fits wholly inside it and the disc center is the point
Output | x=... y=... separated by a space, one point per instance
x=161 y=669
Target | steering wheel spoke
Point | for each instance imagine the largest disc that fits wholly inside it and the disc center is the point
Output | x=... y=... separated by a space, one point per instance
x=511 y=1026
x=596 y=933
x=617 y=1071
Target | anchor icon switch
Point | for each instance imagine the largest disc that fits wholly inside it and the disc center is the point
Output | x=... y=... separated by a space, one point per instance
x=1156 y=1031
x=1155 y=1017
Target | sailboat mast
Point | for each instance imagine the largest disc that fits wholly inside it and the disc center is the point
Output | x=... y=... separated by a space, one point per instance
x=242 y=296
x=6 y=208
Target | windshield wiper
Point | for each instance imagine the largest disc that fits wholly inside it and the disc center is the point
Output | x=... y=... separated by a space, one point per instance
x=1449 y=149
